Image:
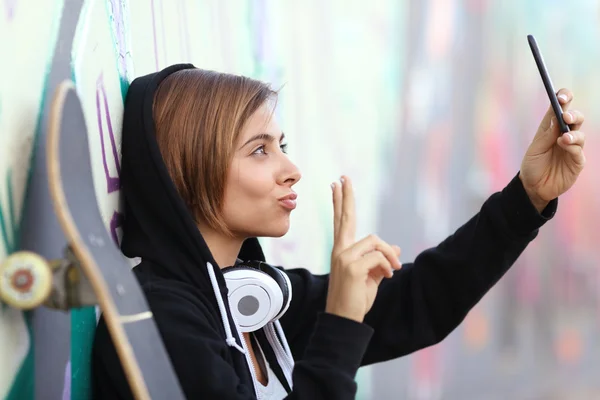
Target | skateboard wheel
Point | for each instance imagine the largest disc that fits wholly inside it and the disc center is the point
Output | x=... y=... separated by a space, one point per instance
x=25 y=280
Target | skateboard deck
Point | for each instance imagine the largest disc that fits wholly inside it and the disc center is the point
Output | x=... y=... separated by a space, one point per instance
x=128 y=316
x=27 y=280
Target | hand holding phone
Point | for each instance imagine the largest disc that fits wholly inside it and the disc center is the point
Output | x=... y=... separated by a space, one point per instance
x=555 y=157
x=537 y=55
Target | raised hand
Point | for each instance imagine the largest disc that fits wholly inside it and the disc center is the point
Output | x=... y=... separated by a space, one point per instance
x=357 y=268
x=553 y=162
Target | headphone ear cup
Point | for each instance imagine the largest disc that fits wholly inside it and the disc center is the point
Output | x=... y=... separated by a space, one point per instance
x=254 y=296
x=283 y=281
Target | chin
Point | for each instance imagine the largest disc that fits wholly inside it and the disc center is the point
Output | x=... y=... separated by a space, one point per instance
x=274 y=230
x=275 y=233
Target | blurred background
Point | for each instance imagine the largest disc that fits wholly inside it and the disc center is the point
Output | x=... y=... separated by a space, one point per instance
x=428 y=105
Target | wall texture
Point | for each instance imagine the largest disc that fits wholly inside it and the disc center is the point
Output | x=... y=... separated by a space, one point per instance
x=427 y=104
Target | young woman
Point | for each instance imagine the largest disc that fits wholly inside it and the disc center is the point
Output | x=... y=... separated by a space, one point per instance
x=205 y=173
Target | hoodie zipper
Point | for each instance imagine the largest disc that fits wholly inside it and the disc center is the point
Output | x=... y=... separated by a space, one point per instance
x=250 y=363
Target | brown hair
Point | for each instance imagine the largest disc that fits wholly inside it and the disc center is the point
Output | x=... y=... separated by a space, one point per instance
x=198 y=117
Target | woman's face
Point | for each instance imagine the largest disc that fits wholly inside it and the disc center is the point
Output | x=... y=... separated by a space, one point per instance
x=258 y=193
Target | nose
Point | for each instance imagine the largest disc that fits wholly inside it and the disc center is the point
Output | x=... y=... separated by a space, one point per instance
x=290 y=174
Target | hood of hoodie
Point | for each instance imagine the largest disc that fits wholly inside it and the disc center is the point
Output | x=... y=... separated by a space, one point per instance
x=157 y=226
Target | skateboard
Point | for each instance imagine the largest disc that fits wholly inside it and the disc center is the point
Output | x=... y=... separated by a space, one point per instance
x=93 y=270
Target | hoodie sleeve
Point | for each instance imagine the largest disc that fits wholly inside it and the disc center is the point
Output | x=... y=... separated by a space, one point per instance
x=427 y=299
x=202 y=360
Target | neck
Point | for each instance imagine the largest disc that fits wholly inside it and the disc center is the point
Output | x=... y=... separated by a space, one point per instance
x=224 y=249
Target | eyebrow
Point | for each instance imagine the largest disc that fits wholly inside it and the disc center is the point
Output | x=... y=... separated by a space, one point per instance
x=264 y=136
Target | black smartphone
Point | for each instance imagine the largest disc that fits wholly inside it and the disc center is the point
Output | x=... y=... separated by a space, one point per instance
x=537 y=55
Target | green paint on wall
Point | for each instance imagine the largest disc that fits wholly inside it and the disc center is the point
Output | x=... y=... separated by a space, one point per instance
x=23 y=387
x=7 y=240
x=83 y=326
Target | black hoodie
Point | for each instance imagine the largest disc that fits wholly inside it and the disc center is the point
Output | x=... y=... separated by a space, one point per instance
x=418 y=307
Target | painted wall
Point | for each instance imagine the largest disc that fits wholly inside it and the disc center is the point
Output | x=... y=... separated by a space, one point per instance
x=427 y=104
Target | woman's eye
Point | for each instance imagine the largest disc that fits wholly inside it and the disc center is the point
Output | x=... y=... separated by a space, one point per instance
x=259 y=150
x=262 y=150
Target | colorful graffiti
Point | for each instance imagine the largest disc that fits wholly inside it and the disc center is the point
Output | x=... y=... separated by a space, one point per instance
x=427 y=104
x=112 y=181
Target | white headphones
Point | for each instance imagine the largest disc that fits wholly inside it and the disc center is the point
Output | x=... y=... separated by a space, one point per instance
x=258 y=293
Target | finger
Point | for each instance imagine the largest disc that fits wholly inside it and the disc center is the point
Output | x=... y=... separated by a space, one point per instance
x=575 y=149
x=374 y=263
x=336 y=190
x=572 y=138
x=370 y=244
x=348 y=218
x=546 y=138
x=564 y=99
x=574 y=119
x=397 y=250
x=565 y=96
x=577 y=155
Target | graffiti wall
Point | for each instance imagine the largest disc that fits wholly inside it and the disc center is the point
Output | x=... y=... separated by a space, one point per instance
x=427 y=104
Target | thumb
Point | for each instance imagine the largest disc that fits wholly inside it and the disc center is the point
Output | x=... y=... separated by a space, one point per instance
x=546 y=138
